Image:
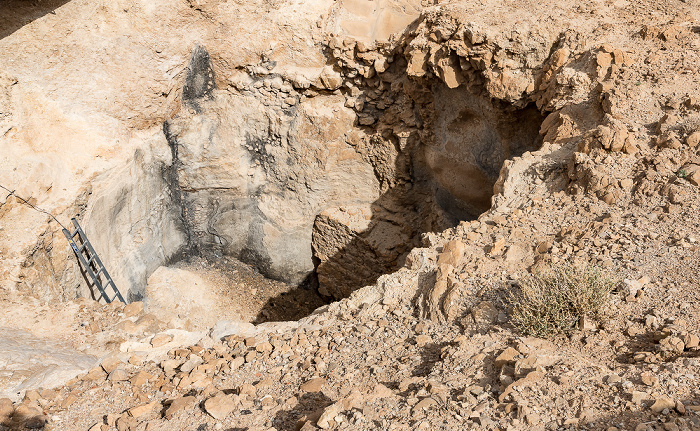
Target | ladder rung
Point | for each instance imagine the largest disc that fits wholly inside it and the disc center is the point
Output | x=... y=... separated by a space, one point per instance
x=90 y=257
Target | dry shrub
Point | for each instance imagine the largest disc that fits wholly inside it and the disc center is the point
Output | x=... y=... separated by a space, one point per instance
x=554 y=300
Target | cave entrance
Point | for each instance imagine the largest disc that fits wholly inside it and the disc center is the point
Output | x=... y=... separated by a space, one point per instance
x=282 y=200
x=302 y=214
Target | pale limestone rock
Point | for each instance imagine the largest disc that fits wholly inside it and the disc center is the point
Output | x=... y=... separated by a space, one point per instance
x=313 y=385
x=660 y=404
x=133 y=309
x=161 y=339
x=329 y=413
x=330 y=79
x=177 y=295
x=111 y=363
x=118 y=375
x=180 y=405
x=221 y=405
x=506 y=357
x=6 y=408
x=439 y=300
x=693 y=139
x=692 y=174
x=143 y=409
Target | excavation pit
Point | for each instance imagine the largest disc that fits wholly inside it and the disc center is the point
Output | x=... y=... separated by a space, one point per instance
x=304 y=190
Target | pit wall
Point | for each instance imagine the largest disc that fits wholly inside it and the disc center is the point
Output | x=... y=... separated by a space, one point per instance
x=340 y=175
x=132 y=220
x=338 y=171
x=295 y=158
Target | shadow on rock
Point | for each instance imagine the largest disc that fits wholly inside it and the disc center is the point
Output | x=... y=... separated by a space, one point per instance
x=309 y=408
x=15 y=14
x=430 y=355
x=293 y=304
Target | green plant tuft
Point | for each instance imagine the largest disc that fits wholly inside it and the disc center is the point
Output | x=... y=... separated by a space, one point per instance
x=554 y=300
x=682 y=173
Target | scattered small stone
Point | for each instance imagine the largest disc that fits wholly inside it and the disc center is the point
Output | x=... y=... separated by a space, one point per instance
x=613 y=379
x=111 y=363
x=690 y=340
x=313 y=385
x=70 y=399
x=133 y=309
x=649 y=379
x=118 y=375
x=143 y=409
x=161 y=339
x=220 y=405
x=180 y=405
x=423 y=404
x=326 y=420
x=587 y=324
x=638 y=397
x=660 y=404
x=191 y=363
x=672 y=344
x=423 y=339
x=141 y=378
x=506 y=357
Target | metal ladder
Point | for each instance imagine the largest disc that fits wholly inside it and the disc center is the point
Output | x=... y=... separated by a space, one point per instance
x=91 y=262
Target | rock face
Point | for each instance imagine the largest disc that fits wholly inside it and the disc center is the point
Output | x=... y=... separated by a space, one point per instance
x=253 y=177
x=337 y=131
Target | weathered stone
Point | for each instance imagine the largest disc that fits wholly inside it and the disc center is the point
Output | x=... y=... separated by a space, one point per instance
x=423 y=404
x=506 y=357
x=191 y=363
x=423 y=339
x=638 y=397
x=161 y=339
x=69 y=400
x=331 y=79
x=693 y=139
x=111 y=363
x=118 y=375
x=691 y=172
x=133 y=309
x=649 y=379
x=587 y=324
x=179 y=405
x=672 y=344
x=313 y=385
x=250 y=390
x=660 y=404
x=329 y=413
x=220 y=406
x=143 y=409
x=484 y=313
x=6 y=408
x=140 y=378
x=690 y=340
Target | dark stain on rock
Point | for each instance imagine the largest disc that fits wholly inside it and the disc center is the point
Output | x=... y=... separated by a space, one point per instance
x=200 y=81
